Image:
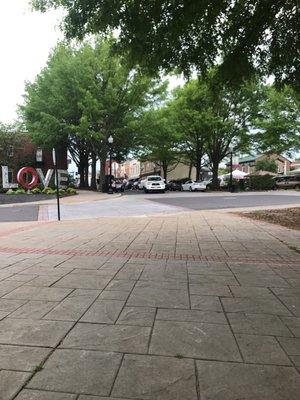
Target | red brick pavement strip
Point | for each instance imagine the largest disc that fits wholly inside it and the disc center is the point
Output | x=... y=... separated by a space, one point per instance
x=143 y=255
x=18 y=230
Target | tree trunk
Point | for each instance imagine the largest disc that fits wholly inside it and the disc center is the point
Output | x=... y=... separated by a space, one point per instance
x=198 y=168
x=81 y=170
x=190 y=170
x=94 y=178
x=199 y=153
x=165 y=170
x=215 y=171
x=102 y=172
x=86 y=171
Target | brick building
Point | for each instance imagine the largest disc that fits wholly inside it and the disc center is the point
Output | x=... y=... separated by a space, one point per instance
x=248 y=164
x=20 y=152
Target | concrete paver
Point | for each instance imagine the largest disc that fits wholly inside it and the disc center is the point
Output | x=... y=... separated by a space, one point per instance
x=11 y=382
x=87 y=372
x=118 y=338
x=194 y=340
x=227 y=381
x=196 y=306
x=28 y=394
x=152 y=377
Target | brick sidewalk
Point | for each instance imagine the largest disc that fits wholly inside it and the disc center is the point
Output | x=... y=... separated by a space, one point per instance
x=201 y=306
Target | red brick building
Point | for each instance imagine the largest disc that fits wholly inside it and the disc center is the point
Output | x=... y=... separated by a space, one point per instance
x=20 y=152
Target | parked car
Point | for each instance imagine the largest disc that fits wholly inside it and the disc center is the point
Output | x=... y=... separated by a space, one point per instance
x=119 y=186
x=132 y=184
x=287 y=182
x=194 y=186
x=173 y=186
x=153 y=183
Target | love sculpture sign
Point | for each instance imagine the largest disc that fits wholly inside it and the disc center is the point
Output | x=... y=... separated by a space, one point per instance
x=37 y=177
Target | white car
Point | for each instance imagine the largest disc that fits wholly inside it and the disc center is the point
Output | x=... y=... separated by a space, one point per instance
x=153 y=183
x=193 y=186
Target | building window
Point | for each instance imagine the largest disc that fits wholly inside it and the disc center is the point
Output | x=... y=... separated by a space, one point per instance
x=39 y=155
x=10 y=151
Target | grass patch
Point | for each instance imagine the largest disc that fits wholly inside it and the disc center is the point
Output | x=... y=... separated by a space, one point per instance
x=38 y=367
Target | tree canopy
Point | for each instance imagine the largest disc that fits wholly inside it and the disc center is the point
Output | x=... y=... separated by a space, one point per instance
x=276 y=121
x=243 y=36
x=84 y=95
x=158 y=140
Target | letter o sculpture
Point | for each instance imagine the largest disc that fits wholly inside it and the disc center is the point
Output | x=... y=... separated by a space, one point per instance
x=34 y=180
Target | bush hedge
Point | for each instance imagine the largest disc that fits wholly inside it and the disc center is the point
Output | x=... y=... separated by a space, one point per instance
x=260 y=182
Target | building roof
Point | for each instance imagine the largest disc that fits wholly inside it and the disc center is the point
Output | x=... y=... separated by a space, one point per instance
x=254 y=158
x=249 y=158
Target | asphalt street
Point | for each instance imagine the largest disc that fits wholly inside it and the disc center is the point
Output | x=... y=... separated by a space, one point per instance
x=228 y=201
x=19 y=213
x=140 y=204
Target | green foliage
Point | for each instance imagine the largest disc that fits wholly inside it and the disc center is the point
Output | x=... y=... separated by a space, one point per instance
x=248 y=36
x=62 y=192
x=10 y=140
x=36 y=190
x=85 y=94
x=211 y=118
x=48 y=190
x=158 y=141
x=71 y=190
x=261 y=182
x=266 y=164
x=20 y=191
x=276 y=121
x=10 y=191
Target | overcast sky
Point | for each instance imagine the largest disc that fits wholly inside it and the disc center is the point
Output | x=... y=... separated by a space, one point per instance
x=26 y=38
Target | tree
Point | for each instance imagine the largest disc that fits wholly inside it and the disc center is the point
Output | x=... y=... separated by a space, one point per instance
x=212 y=118
x=9 y=140
x=158 y=141
x=189 y=111
x=84 y=95
x=276 y=121
x=247 y=36
x=266 y=164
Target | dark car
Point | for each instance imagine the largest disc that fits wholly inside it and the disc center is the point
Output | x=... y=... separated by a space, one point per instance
x=173 y=186
x=119 y=186
x=132 y=184
x=291 y=181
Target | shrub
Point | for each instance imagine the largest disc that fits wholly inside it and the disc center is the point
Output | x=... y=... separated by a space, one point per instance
x=20 y=191
x=62 y=192
x=36 y=191
x=48 y=190
x=71 y=190
x=261 y=182
x=10 y=191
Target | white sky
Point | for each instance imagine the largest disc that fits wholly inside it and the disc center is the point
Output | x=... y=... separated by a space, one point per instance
x=26 y=39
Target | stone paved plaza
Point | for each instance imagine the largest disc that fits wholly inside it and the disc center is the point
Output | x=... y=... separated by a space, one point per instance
x=195 y=306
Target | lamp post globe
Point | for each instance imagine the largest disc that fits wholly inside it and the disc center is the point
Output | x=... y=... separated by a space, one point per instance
x=110 y=139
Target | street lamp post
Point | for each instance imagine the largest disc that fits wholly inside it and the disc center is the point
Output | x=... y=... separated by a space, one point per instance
x=56 y=182
x=110 y=142
x=231 y=188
